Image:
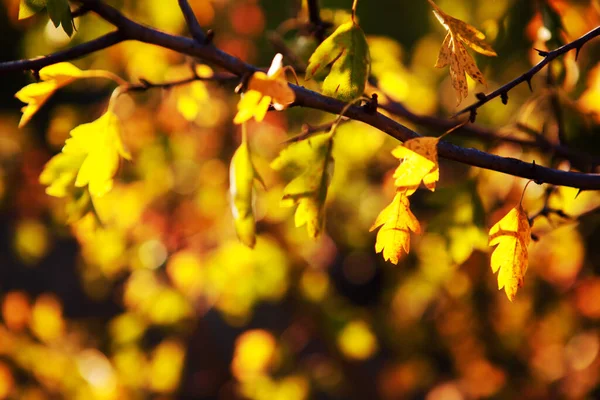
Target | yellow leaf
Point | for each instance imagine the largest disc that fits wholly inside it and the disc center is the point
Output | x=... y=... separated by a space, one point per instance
x=309 y=189
x=264 y=89
x=90 y=157
x=453 y=52
x=394 y=236
x=241 y=178
x=512 y=235
x=419 y=163
x=53 y=77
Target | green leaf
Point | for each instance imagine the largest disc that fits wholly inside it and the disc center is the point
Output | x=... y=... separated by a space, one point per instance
x=60 y=14
x=312 y=157
x=348 y=53
x=241 y=177
x=27 y=8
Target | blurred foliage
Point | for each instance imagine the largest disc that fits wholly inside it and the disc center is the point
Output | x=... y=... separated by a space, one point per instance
x=151 y=295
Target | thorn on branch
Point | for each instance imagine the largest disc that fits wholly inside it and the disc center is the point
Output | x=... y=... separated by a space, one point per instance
x=210 y=35
x=370 y=106
x=542 y=53
x=528 y=80
x=241 y=87
x=577 y=50
x=473 y=115
x=480 y=96
x=504 y=98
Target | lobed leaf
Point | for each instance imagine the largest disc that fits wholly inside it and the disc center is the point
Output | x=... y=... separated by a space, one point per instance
x=454 y=53
x=512 y=235
x=419 y=163
x=347 y=51
x=309 y=189
x=60 y=14
x=396 y=221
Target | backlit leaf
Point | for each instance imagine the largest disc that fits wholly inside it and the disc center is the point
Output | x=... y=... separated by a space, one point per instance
x=309 y=189
x=53 y=77
x=419 y=162
x=453 y=51
x=512 y=235
x=27 y=8
x=241 y=178
x=89 y=158
x=264 y=90
x=58 y=11
x=348 y=53
x=396 y=221
x=60 y=14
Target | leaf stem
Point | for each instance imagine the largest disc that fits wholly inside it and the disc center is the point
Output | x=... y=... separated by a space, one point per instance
x=524 y=189
x=354 y=5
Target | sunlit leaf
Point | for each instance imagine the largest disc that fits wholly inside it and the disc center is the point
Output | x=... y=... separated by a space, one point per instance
x=241 y=178
x=398 y=221
x=89 y=158
x=453 y=51
x=309 y=189
x=512 y=235
x=53 y=78
x=419 y=162
x=264 y=90
x=27 y=8
x=348 y=53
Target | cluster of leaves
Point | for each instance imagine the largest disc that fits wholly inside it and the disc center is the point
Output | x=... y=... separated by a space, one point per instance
x=164 y=250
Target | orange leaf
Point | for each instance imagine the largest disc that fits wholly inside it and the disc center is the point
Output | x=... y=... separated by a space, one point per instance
x=512 y=234
x=419 y=163
x=453 y=51
x=394 y=235
x=264 y=90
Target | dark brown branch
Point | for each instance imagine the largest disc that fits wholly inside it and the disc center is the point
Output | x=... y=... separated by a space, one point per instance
x=527 y=76
x=473 y=130
x=192 y=21
x=318 y=25
x=307 y=98
x=145 y=85
x=78 y=51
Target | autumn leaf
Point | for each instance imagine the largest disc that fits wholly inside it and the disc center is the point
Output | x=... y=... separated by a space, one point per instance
x=89 y=158
x=419 y=162
x=454 y=53
x=53 y=77
x=396 y=221
x=312 y=157
x=348 y=53
x=241 y=179
x=264 y=90
x=512 y=235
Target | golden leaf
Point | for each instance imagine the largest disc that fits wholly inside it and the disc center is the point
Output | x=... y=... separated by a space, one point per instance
x=419 y=163
x=453 y=51
x=241 y=179
x=53 y=78
x=264 y=89
x=512 y=235
x=89 y=158
x=394 y=236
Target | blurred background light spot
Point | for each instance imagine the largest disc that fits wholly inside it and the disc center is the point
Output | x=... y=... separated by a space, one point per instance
x=253 y=355
x=582 y=350
x=356 y=341
x=16 y=310
x=152 y=254
x=31 y=240
x=46 y=318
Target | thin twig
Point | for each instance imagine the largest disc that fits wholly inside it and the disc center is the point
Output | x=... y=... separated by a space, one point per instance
x=527 y=76
x=310 y=99
x=75 y=52
x=314 y=15
x=192 y=21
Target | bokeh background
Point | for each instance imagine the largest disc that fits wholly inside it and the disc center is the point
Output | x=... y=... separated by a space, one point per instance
x=161 y=301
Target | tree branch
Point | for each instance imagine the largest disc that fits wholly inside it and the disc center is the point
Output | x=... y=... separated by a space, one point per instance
x=527 y=76
x=78 y=51
x=192 y=22
x=307 y=98
x=314 y=16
